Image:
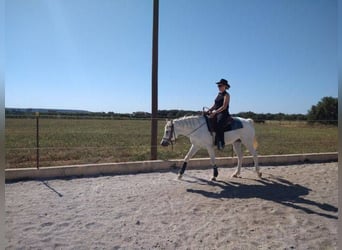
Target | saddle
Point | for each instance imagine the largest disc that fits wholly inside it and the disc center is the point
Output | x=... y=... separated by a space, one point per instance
x=232 y=123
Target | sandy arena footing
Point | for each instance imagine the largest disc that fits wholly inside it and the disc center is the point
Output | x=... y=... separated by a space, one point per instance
x=291 y=207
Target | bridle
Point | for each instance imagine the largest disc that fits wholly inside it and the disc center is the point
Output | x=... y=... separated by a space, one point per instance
x=172 y=134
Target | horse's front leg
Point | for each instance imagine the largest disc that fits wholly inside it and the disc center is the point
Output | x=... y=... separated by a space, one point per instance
x=213 y=162
x=193 y=150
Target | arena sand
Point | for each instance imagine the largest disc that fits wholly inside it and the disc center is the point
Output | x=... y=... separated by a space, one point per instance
x=291 y=207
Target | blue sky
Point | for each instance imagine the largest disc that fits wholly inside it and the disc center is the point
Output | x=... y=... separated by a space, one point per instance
x=278 y=55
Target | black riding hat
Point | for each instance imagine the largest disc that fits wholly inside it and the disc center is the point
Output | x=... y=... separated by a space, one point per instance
x=223 y=82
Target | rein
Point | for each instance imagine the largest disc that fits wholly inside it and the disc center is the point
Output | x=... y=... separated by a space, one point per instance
x=196 y=129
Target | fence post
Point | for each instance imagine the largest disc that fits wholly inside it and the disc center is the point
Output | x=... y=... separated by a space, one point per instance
x=154 y=121
x=37 y=139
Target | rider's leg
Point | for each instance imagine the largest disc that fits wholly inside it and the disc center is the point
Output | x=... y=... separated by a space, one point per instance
x=221 y=119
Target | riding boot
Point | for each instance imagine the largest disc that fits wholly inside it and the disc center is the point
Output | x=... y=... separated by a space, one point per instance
x=220 y=140
x=220 y=145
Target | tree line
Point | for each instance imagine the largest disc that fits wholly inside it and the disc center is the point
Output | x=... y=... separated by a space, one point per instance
x=325 y=111
x=162 y=114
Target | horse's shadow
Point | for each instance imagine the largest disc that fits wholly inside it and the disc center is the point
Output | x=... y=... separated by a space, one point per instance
x=272 y=189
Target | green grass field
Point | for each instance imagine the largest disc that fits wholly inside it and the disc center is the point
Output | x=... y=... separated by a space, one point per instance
x=78 y=141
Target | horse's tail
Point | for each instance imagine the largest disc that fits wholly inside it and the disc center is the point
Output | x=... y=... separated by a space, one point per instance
x=255 y=142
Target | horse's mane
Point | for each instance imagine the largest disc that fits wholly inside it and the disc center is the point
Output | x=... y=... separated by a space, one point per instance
x=189 y=121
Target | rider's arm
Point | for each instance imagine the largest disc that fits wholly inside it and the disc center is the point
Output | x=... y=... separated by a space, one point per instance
x=212 y=108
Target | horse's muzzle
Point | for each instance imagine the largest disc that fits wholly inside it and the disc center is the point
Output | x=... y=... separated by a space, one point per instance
x=165 y=143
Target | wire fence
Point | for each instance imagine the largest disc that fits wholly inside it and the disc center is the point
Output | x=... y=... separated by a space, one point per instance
x=43 y=141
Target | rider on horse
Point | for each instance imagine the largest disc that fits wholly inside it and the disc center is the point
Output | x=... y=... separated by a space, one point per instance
x=220 y=111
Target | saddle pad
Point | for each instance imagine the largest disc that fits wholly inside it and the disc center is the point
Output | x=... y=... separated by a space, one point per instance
x=236 y=124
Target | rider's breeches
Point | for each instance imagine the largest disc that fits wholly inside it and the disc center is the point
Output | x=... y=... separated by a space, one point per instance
x=221 y=120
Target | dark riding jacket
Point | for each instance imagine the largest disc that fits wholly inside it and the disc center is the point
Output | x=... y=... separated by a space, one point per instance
x=219 y=102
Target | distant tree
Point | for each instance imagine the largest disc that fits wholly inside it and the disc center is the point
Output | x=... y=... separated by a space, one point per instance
x=325 y=111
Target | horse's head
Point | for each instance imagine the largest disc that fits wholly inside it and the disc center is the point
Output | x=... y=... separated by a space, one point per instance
x=169 y=134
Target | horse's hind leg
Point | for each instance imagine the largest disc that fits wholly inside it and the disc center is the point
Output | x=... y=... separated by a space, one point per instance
x=238 y=152
x=252 y=150
x=193 y=150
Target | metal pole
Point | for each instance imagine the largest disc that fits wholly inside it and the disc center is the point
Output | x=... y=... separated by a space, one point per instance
x=154 y=121
x=37 y=139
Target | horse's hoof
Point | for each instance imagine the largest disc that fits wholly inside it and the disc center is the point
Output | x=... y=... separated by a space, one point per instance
x=259 y=175
x=180 y=177
x=213 y=179
x=235 y=176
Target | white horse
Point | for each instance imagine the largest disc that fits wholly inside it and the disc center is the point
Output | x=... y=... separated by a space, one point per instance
x=195 y=127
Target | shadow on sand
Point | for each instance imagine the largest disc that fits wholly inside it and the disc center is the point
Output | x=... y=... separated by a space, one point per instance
x=45 y=183
x=272 y=189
